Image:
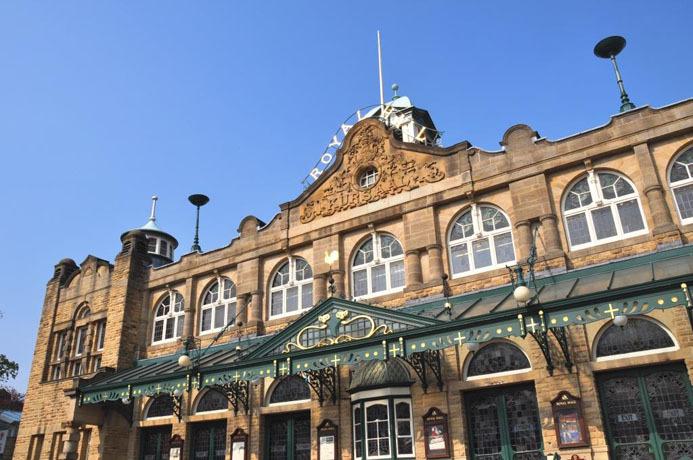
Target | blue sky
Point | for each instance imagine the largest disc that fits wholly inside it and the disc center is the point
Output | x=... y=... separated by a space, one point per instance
x=104 y=103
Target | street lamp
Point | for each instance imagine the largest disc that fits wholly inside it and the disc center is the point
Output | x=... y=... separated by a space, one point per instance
x=609 y=48
x=198 y=200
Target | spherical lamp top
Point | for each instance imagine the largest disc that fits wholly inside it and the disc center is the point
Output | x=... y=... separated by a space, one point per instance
x=473 y=346
x=522 y=294
x=178 y=392
x=184 y=361
x=620 y=320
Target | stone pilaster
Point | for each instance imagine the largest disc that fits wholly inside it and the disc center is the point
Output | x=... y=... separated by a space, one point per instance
x=435 y=261
x=412 y=269
x=652 y=189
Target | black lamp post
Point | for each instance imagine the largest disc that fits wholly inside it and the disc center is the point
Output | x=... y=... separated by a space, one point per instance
x=609 y=48
x=197 y=200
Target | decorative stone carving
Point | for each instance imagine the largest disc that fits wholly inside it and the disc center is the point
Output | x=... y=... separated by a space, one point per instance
x=396 y=174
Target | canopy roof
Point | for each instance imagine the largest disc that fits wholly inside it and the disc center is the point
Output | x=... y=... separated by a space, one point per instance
x=339 y=331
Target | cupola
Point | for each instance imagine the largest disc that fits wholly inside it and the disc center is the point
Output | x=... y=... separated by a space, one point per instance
x=160 y=245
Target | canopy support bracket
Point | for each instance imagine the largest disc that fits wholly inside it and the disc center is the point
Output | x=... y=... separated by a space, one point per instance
x=542 y=338
x=421 y=360
x=237 y=394
x=323 y=382
x=561 y=334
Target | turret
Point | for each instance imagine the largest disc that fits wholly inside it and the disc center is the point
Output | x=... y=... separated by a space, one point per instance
x=160 y=245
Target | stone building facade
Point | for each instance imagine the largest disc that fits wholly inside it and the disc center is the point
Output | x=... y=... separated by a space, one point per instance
x=375 y=316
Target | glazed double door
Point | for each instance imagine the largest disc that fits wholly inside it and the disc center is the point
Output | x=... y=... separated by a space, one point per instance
x=504 y=424
x=208 y=441
x=154 y=443
x=648 y=413
x=288 y=437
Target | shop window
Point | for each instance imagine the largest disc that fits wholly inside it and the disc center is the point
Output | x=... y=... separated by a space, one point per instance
x=480 y=239
x=497 y=358
x=637 y=336
x=291 y=289
x=378 y=267
x=681 y=182
x=218 y=306
x=290 y=389
x=602 y=207
x=168 y=319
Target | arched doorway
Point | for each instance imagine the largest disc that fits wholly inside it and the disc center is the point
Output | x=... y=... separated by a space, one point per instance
x=287 y=435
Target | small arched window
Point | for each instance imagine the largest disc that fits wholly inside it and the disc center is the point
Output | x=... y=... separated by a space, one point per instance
x=290 y=388
x=212 y=400
x=168 y=318
x=161 y=406
x=218 y=306
x=638 y=335
x=480 y=239
x=378 y=267
x=681 y=182
x=292 y=288
x=496 y=358
x=602 y=207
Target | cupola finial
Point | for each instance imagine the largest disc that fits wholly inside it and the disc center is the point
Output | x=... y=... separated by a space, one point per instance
x=152 y=214
x=395 y=88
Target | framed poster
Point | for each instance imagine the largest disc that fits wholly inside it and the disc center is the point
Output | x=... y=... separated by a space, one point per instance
x=239 y=444
x=327 y=440
x=568 y=421
x=436 y=435
x=175 y=452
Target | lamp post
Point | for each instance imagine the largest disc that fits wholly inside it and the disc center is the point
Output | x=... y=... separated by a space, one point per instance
x=197 y=200
x=609 y=48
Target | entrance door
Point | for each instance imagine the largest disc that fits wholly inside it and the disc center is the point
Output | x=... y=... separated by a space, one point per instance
x=648 y=413
x=504 y=424
x=154 y=443
x=208 y=441
x=288 y=437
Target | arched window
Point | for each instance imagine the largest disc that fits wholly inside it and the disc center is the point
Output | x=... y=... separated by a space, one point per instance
x=378 y=266
x=496 y=358
x=168 y=318
x=636 y=336
x=84 y=312
x=290 y=388
x=602 y=207
x=212 y=400
x=218 y=306
x=292 y=288
x=681 y=182
x=161 y=406
x=480 y=239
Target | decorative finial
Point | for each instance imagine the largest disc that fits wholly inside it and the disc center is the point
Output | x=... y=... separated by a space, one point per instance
x=395 y=88
x=152 y=214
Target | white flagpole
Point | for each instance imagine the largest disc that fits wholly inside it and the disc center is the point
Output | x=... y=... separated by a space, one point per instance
x=380 y=76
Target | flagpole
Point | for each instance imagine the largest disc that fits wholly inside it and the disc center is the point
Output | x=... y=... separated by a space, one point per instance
x=380 y=77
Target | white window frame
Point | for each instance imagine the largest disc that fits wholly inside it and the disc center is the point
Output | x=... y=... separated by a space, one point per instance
x=55 y=372
x=680 y=184
x=284 y=288
x=377 y=261
x=369 y=177
x=366 y=405
x=157 y=247
x=61 y=344
x=479 y=234
x=353 y=430
x=100 y=335
x=411 y=428
x=633 y=354
x=221 y=300
x=599 y=202
x=80 y=340
x=172 y=315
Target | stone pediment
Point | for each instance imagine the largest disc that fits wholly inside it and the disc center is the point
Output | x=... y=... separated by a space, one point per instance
x=368 y=146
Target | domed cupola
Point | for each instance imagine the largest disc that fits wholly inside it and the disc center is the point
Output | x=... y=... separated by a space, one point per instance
x=371 y=375
x=160 y=245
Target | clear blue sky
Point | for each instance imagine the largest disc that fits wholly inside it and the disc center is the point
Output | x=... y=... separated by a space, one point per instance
x=104 y=103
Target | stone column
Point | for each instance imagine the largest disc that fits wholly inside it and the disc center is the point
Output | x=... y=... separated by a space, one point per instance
x=189 y=308
x=659 y=211
x=240 y=306
x=435 y=262
x=551 y=237
x=338 y=276
x=255 y=309
x=71 y=443
x=523 y=239
x=319 y=288
x=412 y=269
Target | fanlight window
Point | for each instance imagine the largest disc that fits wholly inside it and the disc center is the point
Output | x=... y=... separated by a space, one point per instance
x=480 y=239
x=681 y=181
x=602 y=207
x=495 y=358
x=218 y=306
x=292 y=288
x=212 y=400
x=161 y=406
x=637 y=335
x=291 y=388
x=83 y=313
x=378 y=267
x=168 y=318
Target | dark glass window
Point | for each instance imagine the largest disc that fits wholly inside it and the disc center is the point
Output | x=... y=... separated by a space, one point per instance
x=162 y=406
x=497 y=357
x=291 y=388
x=212 y=400
x=637 y=335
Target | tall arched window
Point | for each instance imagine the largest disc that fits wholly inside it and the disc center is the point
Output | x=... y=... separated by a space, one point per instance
x=637 y=336
x=602 y=207
x=292 y=288
x=378 y=267
x=480 y=239
x=160 y=406
x=681 y=182
x=168 y=318
x=497 y=358
x=290 y=388
x=218 y=305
